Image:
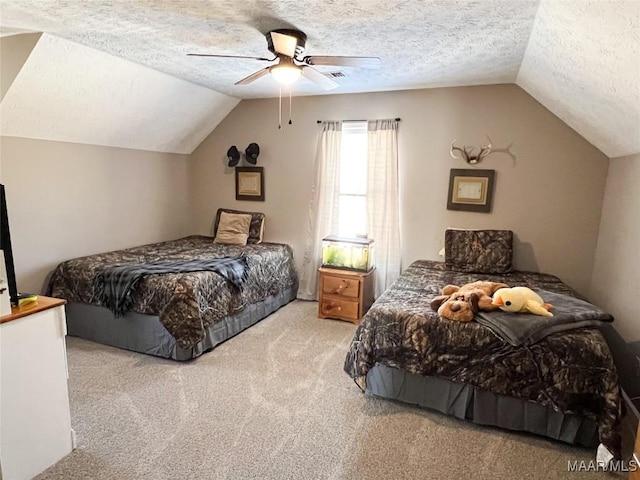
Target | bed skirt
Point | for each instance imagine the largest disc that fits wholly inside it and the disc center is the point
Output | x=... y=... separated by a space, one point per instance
x=146 y=334
x=480 y=406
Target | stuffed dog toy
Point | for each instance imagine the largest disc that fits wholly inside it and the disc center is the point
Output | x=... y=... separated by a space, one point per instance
x=462 y=303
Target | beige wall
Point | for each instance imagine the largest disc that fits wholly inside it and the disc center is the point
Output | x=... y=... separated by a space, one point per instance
x=616 y=273
x=14 y=51
x=67 y=200
x=551 y=196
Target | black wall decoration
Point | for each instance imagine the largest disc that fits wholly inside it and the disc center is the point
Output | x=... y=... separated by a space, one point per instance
x=250 y=154
x=233 y=155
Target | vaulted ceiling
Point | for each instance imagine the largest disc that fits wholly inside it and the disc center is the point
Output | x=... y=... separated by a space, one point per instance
x=579 y=58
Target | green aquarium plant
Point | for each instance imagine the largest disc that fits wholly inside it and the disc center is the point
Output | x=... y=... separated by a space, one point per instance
x=349 y=253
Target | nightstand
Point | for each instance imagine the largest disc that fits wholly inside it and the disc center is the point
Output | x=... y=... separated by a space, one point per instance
x=345 y=294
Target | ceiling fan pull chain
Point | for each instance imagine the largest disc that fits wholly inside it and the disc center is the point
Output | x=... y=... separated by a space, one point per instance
x=280 y=109
x=290 y=122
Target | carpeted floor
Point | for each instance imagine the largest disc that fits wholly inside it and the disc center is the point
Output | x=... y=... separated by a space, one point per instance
x=274 y=403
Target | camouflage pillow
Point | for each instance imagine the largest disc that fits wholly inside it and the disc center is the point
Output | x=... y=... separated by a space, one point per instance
x=256 y=227
x=478 y=251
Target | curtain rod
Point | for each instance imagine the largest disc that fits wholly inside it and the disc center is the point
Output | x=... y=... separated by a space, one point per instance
x=396 y=119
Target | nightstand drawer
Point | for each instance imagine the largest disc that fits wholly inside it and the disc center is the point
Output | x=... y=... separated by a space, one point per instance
x=345 y=287
x=334 y=307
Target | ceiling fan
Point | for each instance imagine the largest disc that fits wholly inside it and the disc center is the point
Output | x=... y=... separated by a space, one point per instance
x=288 y=47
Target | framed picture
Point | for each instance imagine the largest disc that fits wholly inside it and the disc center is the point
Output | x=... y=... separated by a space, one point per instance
x=471 y=190
x=250 y=183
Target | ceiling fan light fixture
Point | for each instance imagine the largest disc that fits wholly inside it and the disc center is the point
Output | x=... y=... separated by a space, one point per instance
x=285 y=73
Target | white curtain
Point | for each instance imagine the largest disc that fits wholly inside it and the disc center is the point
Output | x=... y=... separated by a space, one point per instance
x=323 y=210
x=382 y=200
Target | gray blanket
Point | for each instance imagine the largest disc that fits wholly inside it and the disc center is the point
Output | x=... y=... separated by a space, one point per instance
x=115 y=285
x=526 y=328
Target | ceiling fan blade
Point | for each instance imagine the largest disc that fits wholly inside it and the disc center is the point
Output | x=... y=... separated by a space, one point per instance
x=362 y=62
x=229 y=56
x=253 y=77
x=318 y=78
x=284 y=44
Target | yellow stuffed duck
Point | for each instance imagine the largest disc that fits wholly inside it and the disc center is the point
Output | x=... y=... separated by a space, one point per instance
x=521 y=299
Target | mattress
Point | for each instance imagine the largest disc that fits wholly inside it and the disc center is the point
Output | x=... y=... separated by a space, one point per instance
x=570 y=372
x=187 y=306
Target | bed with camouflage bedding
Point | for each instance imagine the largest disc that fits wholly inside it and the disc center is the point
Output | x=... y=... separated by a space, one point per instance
x=564 y=386
x=177 y=315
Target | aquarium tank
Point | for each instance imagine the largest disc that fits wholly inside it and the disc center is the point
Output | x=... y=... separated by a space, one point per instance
x=347 y=253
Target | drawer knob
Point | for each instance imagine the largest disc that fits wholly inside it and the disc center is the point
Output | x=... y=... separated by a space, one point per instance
x=341 y=287
x=330 y=306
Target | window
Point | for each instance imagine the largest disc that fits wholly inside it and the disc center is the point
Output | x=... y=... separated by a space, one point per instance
x=355 y=192
x=352 y=210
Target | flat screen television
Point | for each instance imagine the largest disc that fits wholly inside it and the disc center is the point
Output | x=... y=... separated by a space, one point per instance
x=5 y=246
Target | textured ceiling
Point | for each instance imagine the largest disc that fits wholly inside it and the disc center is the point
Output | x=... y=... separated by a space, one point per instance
x=421 y=43
x=583 y=64
x=572 y=52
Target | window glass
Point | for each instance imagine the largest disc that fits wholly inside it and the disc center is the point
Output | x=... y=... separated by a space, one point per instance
x=353 y=215
x=353 y=179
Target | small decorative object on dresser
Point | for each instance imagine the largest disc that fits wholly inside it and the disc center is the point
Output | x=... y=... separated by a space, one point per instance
x=5 y=299
x=345 y=295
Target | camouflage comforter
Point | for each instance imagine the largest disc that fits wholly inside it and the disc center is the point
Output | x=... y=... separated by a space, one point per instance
x=186 y=303
x=571 y=372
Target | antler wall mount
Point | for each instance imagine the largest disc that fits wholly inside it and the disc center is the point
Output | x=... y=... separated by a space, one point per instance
x=468 y=152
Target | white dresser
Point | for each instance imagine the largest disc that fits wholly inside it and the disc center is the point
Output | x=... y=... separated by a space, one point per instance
x=35 y=422
x=635 y=475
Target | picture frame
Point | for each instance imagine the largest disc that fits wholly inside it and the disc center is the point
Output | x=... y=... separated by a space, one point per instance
x=250 y=183
x=471 y=190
